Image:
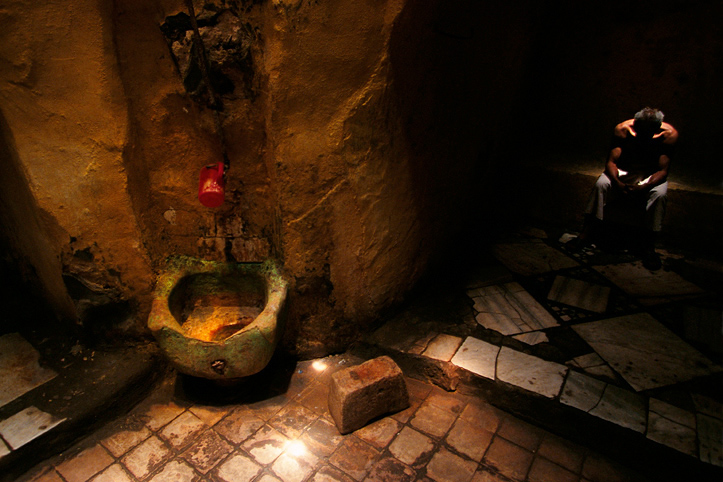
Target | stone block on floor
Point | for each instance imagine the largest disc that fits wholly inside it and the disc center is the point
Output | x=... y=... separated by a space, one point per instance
x=361 y=393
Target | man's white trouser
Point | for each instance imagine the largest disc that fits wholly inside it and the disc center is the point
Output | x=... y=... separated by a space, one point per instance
x=654 y=201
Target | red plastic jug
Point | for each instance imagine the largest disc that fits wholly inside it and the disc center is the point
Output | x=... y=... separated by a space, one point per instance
x=211 y=185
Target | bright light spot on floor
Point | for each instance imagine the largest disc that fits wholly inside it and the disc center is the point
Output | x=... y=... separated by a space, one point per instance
x=296 y=448
x=319 y=366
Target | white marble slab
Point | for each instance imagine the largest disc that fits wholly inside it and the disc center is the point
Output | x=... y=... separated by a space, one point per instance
x=672 y=434
x=531 y=373
x=442 y=347
x=648 y=286
x=622 y=407
x=644 y=352
x=532 y=257
x=20 y=371
x=27 y=425
x=580 y=294
x=509 y=309
x=532 y=338
x=581 y=391
x=478 y=357
x=710 y=439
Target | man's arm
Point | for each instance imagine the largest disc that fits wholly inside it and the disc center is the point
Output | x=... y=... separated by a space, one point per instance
x=670 y=136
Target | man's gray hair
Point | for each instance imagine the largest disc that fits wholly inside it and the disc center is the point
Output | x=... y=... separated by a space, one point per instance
x=649 y=116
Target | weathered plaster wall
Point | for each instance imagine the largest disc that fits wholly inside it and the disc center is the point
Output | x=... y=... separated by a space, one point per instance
x=64 y=107
x=333 y=167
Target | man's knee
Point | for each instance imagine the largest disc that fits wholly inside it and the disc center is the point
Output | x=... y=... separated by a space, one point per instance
x=602 y=184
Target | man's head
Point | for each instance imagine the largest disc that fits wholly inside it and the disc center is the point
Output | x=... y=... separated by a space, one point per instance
x=647 y=122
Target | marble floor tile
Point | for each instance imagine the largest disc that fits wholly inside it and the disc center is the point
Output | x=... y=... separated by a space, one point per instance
x=389 y=469
x=175 y=471
x=238 y=468
x=85 y=465
x=672 y=413
x=448 y=467
x=147 y=457
x=379 y=433
x=354 y=457
x=266 y=444
x=442 y=347
x=710 y=439
x=622 y=407
x=530 y=373
x=531 y=258
x=581 y=391
x=478 y=357
x=432 y=420
x=580 y=294
x=649 y=287
x=644 y=352
x=27 y=425
x=411 y=447
x=672 y=434
x=509 y=309
x=469 y=439
x=20 y=370
x=532 y=338
x=182 y=430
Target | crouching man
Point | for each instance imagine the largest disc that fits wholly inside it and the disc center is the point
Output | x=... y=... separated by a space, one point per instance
x=636 y=171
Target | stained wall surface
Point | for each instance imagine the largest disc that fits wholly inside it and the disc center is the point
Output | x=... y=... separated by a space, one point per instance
x=363 y=136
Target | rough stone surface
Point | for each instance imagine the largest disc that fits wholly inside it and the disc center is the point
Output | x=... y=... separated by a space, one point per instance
x=361 y=393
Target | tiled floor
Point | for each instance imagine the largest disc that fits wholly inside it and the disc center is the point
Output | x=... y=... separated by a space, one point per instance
x=443 y=437
x=590 y=337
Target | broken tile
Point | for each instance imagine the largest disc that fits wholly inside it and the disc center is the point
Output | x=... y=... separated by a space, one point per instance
x=147 y=457
x=85 y=465
x=644 y=352
x=530 y=373
x=587 y=361
x=207 y=451
x=432 y=420
x=238 y=468
x=478 y=357
x=448 y=467
x=510 y=460
x=390 y=469
x=531 y=258
x=295 y=465
x=115 y=473
x=442 y=347
x=159 y=414
x=543 y=470
x=532 y=338
x=323 y=438
x=580 y=294
x=581 y=391
x=355 y=457
x=182 y=430
x=708 y=406
x=266 y=444
x=239 y=425
x=20 y=370
x=469 y=439
x=622 y=407
x=122 y=441
x=379 y=433
x=175 y=471
x=671 y=434
x=293 y=419
x=27 y=425
x=650 y=287
x=411 y=447
x=672 y=413
x=509 y=309
x=710 y=439
x=562 y=452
